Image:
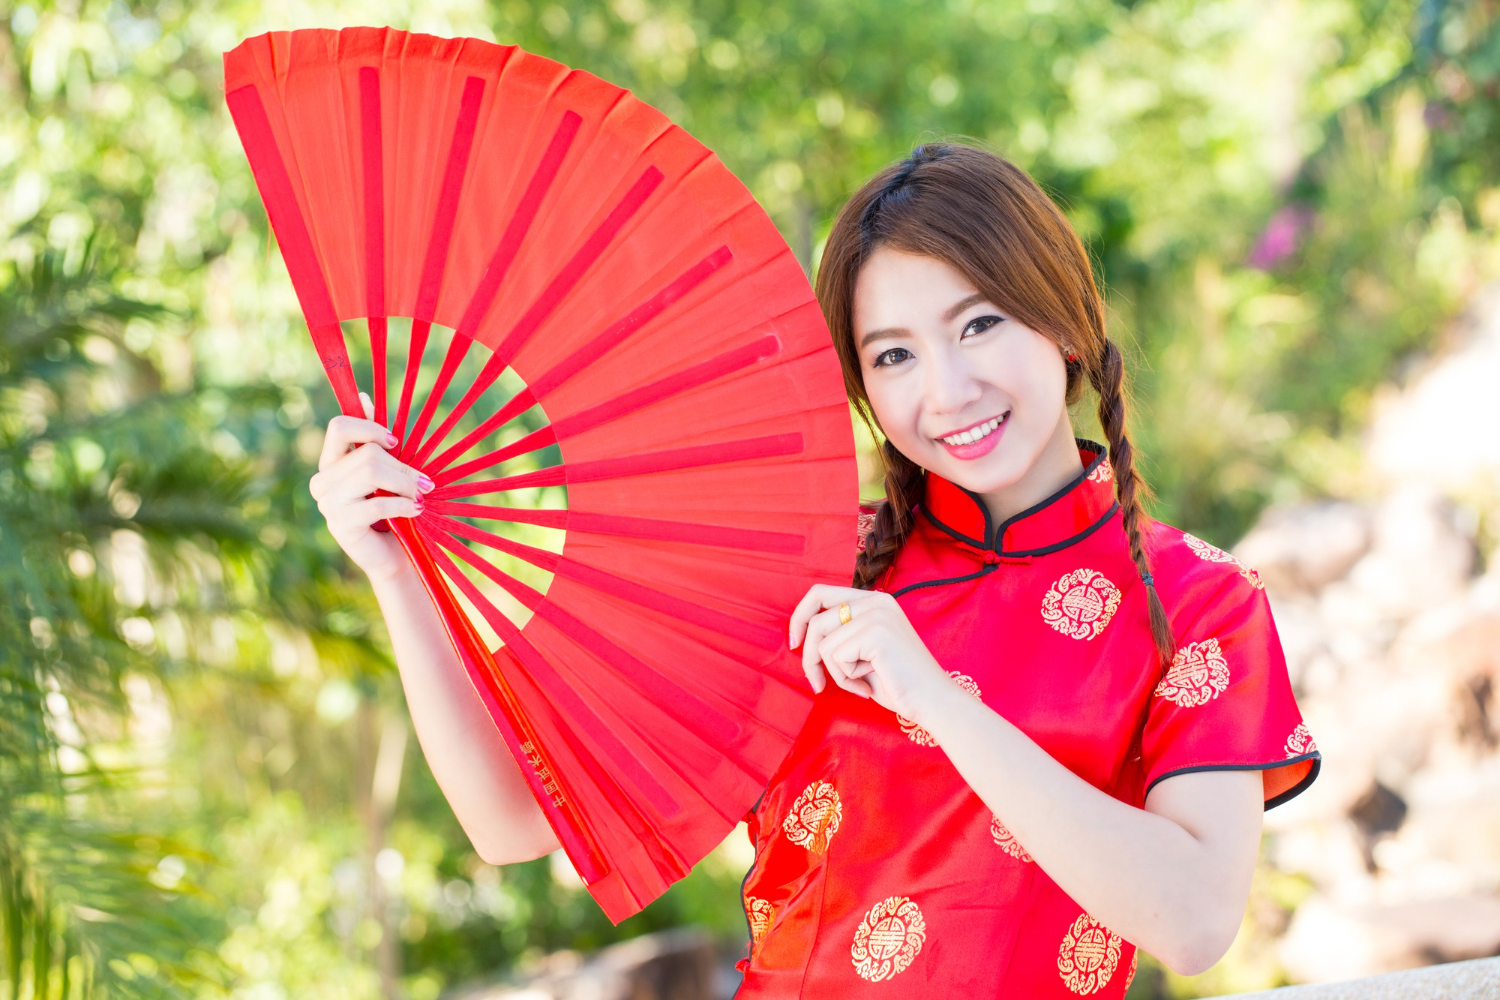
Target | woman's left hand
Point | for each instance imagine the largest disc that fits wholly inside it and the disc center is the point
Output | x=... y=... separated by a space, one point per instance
x=877 y=653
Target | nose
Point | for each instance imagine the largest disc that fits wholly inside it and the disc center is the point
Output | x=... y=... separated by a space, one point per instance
x=951 y=386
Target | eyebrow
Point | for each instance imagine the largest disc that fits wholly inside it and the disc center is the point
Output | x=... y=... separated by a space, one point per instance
x=897 y=331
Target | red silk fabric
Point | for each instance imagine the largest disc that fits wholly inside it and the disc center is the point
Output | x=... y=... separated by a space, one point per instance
x=878 y=868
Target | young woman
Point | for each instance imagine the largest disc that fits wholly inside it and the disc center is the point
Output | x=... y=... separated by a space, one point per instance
x=1052 y=725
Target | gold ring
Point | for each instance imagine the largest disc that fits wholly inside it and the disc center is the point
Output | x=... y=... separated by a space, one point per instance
x=844 y=613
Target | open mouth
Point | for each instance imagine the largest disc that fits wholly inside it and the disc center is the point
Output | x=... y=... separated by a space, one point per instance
x=976 y=433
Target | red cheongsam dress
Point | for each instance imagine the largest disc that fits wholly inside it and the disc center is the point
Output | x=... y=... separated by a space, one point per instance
x=880 y=873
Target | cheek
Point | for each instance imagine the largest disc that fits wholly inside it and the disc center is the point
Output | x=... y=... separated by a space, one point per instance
x=1042 y=376
x=896 y=403
x=1031 y=373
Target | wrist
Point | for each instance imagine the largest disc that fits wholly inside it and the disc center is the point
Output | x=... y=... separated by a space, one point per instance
x=395 y=571
x=935 y=701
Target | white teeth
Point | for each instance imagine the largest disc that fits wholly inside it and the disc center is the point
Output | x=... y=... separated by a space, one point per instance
x=970 y=436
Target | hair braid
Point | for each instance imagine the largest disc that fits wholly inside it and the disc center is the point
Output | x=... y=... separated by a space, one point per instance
x=1109 y=381
x=893 y=518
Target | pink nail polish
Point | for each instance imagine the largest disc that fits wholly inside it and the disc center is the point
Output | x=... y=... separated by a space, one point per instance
x=418 y=504
x=390 y=439
x=423 y=483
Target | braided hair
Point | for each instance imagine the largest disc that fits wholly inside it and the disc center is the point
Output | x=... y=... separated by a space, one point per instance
x=975 y=210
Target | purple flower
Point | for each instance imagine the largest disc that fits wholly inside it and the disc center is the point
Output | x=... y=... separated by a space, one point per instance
x=1280 y=237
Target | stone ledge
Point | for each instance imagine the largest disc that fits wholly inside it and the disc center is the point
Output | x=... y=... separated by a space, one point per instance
x=1474 y=980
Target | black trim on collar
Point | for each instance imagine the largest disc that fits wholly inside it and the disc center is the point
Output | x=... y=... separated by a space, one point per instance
x=1064 y=491
x=1055 y=546
x=988 y=568
x=993 y=535
x=977 y=543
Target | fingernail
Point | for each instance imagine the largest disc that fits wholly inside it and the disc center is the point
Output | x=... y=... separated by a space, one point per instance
x=390 y=439
x=423 y=483
x=418 y=504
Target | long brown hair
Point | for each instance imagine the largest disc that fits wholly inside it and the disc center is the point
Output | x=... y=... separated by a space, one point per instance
x=980 y=213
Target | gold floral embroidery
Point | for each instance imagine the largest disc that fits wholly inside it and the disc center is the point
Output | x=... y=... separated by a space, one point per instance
x=1007 y=840
x=1135 y=954
x=1198 y=675
x=922 y=737
x=760 y=912
x=1300 y=742
x=1212 y=553
x=1081 y=603
x=1104 y=473
x=1088 y=955
x=888 y=938
x=814 y=816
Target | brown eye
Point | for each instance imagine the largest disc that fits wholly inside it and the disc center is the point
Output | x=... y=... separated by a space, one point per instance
x=986 y=321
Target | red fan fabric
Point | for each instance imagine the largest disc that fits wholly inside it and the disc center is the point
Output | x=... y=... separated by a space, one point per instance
x=877 y=867
x=549 y=226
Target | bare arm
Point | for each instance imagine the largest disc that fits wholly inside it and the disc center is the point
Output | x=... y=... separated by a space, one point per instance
x=476 y=772
x=1173 y=878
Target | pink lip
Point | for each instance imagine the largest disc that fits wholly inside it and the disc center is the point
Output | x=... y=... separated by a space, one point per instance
x=977 y=423
x=979 y=448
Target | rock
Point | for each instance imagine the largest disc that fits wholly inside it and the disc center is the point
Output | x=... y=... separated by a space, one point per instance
x=1422 y=555
x=1476 y=979
x=1328 y=942
x=1430 y=431
x=1303 y=547
x=678 y=964
x=1393 y=646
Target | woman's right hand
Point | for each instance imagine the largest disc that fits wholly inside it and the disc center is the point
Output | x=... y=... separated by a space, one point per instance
x=343 y=484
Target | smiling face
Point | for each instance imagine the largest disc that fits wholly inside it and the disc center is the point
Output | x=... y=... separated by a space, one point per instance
x=958 y=385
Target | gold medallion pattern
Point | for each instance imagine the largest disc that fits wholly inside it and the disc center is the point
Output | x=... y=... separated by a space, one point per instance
x=922 y=737
x=888 y=938
x=1212 y=553
x=1104 y=473
x=1007 y=840
x=814 y=816
x=760 y=912
x=1199 y=674
x=1135 y=955
x=1300 y=742
x=1081 y=603
x=1088 y=955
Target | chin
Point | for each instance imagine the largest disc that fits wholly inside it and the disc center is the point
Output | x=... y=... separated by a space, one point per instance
x=998 y=470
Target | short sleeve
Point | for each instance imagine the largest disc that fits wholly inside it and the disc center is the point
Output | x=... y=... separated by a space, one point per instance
x=1226 y=703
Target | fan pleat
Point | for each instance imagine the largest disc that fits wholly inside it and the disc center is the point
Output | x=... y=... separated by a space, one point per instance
x=681 y=764
x=597 y=711
x=635 y=310
x=372 y=173
x=722 y=536
x=575 y=701
x=588 y=353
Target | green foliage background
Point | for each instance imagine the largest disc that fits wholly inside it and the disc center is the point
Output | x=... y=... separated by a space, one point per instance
x=199 y=719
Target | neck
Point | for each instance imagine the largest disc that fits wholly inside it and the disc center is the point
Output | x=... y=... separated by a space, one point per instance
x=1056 y=466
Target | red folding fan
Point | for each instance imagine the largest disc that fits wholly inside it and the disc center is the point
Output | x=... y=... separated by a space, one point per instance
x=616 y=319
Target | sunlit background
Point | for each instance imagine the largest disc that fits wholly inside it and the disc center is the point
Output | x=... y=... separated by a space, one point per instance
x=208 y=787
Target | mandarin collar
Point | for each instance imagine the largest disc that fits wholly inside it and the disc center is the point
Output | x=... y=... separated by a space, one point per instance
x=1067 y=516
